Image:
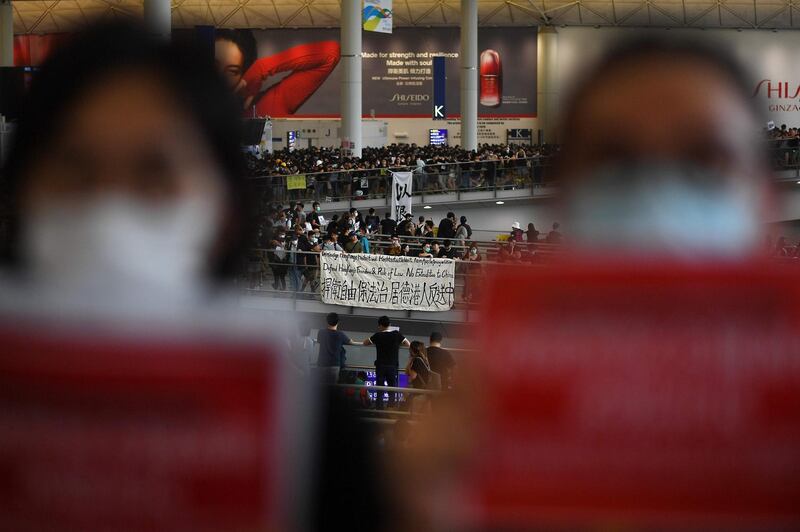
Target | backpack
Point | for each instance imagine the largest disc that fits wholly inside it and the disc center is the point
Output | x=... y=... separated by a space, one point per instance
x=434 y=381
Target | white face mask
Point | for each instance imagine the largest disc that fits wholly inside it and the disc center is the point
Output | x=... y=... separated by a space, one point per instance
x=113 y=246
x=663 y=209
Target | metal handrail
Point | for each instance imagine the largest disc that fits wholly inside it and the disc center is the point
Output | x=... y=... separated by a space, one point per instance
x=409 y=168
x=499 y=174
x=395 y=389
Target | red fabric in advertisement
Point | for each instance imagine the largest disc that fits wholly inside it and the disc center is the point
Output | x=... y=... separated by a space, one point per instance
x=662 y=395
x=105 y=434
x=309 y=66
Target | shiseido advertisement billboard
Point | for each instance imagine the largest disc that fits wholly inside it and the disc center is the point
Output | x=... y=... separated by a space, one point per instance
x=297 y=72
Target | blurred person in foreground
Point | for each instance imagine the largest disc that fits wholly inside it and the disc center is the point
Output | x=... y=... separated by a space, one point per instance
x=661 y=158
x=126 y=175
x=683 y=177
x=129 y=218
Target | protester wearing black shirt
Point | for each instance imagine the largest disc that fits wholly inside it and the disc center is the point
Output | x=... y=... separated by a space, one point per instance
x=333 y=225
x=447 y=227
x=308 y=261
x=404 y=228
x=387 y=348
x=441 y=360
x=313 y=216
x=466 y=225
x=388 y=225
x=373 y=221
x=448 y=251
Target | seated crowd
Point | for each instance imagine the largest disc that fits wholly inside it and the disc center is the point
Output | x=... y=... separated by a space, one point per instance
x=329 y=174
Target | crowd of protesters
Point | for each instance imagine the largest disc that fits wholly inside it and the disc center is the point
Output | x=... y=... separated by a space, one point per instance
x=784 y=146
x=292 y=237
x=329 y=174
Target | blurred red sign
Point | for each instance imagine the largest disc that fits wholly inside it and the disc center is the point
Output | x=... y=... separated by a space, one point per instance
x=110 y=434
x=661 y=395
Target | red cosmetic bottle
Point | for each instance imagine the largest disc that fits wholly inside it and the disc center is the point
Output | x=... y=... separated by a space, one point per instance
x=491 y=72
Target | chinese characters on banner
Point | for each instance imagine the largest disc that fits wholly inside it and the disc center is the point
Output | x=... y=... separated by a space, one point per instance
x=377 y=16
x=388 y=282
x=402 y=187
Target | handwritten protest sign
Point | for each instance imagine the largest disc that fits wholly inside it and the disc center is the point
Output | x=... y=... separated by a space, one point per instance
x=389 y=282
x=295 y=182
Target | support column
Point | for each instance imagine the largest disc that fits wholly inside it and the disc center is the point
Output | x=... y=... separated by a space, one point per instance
x=350 y=91
x=547 y=83
x=158 y=17
x=469 y=74
x=6 y=34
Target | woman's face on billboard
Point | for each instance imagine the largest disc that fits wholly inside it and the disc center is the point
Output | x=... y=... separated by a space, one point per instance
x=230 y=61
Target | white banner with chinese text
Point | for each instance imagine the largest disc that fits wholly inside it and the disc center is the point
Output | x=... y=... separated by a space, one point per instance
x=387 y=282
x=402 y=185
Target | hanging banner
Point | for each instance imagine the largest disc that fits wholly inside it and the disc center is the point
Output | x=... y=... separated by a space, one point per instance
x=402 y=187
x=388 y=282
x=377 y=16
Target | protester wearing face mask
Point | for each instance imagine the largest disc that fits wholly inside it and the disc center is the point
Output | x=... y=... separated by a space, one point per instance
x=684 y=179
x=149 y=211
x=313 y=216
x=426 y=251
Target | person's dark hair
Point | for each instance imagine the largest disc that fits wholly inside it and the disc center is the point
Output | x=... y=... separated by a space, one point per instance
x=384 y=321
x=436 y=336
x=646 y=47
x=372 y=210
x=332 y=319
x=463 y=219
x=417 y=348
x=451 y=215
x=96 y=54
x=446 y=242
x=244 y=40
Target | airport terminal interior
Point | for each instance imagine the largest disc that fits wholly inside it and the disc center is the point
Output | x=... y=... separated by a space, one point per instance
x=394 y=265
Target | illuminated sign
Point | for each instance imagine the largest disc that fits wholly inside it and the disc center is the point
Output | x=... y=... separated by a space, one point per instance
x=437 y=137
